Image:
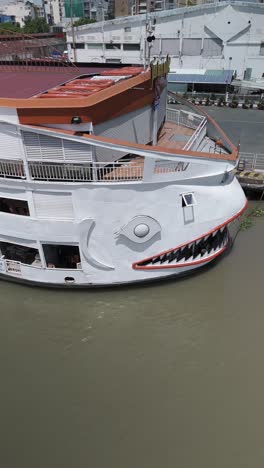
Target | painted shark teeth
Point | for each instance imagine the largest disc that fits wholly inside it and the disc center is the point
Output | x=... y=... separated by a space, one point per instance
x=194 y=251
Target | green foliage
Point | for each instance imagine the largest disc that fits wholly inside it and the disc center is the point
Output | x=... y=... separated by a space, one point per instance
x=36 y=25
x=82 y=21
x=247 y=222
x=5 y=28
x=258 y=212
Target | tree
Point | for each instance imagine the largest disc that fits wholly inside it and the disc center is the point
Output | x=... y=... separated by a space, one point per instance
x=5 y=28
x=36 y=25
x=82 y=21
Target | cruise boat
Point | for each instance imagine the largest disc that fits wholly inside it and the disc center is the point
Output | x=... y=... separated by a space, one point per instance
x=101 y=184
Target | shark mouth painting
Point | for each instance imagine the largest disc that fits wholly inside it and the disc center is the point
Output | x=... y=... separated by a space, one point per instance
x=198 y=251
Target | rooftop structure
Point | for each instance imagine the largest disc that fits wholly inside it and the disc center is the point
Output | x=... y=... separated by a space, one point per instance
x=25 y=49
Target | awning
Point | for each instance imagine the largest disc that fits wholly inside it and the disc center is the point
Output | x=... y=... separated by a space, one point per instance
x=201 y=76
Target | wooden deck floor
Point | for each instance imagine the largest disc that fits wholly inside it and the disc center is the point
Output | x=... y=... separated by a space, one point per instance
x=174 y=136
x=171 y=136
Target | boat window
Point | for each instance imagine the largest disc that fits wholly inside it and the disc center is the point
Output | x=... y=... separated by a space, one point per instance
x=94 y=45
x=14 y=206
x=19 y=253
x=131 y=46
x=112 y=46
x=79 y=45
x=188 y=199
x=62 y=256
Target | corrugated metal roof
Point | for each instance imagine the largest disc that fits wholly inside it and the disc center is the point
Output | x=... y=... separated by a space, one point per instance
x=209 y=76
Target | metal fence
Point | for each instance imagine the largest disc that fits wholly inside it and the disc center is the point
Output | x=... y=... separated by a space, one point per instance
x=253 y=161
x=184 y=118
x=121 y=171
x=14 y=169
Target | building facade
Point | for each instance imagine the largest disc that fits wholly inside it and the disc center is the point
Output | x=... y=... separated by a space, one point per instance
x=122 y=8
x=21 y=10
x=149 y=6
x=212 y=36
x=54 y=11
x=92 y=9
x=7 y=19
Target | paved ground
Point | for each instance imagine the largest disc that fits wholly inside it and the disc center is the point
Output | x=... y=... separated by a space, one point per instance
x=244 y=125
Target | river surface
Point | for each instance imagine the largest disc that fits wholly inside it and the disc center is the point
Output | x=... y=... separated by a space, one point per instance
x=160 y=376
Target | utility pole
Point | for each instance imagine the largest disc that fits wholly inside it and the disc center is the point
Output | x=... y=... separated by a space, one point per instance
x=73 y=34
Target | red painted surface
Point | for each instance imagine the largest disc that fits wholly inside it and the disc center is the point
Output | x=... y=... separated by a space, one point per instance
x=179 y=265
x=25 y=84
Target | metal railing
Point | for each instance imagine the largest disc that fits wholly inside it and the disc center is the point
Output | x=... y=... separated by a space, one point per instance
x=122 y=171
x=184 y=118
x=197 y=136
x=253 y=161
x=14 y=169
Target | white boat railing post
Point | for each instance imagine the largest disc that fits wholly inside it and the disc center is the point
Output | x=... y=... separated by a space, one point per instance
x=148 y=171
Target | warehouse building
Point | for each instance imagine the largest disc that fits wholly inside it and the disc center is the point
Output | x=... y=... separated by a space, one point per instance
x=216 y=36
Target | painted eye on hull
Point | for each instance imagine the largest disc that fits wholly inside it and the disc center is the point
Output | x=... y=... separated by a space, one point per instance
x=140 y=229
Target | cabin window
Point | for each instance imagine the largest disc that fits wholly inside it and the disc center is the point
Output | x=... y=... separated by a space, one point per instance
x=131 y=46
x=112 y=46
x=14 y=206
x=62 y=256
x=94 y=45
x=113 y=60
x=79 y=45
x=19 y=253
x=127 y=29
x=261 y=48
x=188 y=199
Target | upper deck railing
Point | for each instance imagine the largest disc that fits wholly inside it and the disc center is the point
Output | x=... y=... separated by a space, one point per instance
x=122 y=171
x=184 y=118
x=189 y=120
x=45 y=154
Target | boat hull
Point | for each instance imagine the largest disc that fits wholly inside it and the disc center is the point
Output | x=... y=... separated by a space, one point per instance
x=111 y=257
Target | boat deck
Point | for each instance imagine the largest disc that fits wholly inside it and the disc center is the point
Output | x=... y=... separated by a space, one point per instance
x=173 y=135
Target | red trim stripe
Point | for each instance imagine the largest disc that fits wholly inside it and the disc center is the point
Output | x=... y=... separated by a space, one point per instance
x=180 y=265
